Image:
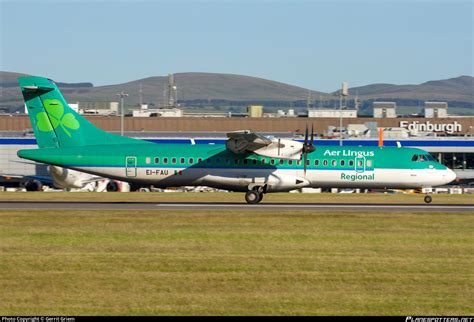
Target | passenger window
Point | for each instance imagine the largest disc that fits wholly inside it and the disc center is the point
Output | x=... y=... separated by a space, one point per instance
x=165 y=160
x=308 y=162
x=290 y=162
x=263 y=161
x=414 y=158
x=333 y=163
x=325 y=162
x=218 y=160
x=422 y=159
x=199 y=160
x=298 y=162
x=236 y=161
x=191 y=160
x=157 y=160
x=359 y=163
x=227 y=161
x=209 y=160
x=281 y=161
x=351 y=163
x=181 y=160
x=254 y=162
x=272 y=162
x=246 y=161
x=173 y=160
x=369 y=163
x=343 y=163
x=147 y=160
x=316 y=162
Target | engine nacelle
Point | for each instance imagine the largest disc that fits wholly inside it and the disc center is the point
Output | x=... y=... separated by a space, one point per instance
x=281 y=148
x=66 y=178
x=278 y=148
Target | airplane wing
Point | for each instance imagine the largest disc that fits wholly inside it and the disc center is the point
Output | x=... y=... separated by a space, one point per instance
x=26 y=162
x=250 y=142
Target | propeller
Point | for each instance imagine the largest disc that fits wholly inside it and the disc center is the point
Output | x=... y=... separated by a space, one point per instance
x=308 y=146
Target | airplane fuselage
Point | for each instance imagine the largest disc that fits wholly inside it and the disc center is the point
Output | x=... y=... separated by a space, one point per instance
x=170 y=165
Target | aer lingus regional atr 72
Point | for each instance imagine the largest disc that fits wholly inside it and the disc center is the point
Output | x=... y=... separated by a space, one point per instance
x=248 y=162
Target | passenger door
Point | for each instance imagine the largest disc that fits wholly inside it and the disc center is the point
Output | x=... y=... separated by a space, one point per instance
x=131 y=167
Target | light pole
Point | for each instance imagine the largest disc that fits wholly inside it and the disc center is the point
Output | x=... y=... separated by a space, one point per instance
x=342 y=102
x=122 y=95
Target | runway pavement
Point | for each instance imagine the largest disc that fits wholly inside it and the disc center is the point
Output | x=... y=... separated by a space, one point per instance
x=206 y=206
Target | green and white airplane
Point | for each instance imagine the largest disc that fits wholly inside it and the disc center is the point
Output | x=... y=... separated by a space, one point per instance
x=249 y=162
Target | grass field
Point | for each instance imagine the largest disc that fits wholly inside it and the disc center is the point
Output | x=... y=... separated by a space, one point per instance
x=349 y=198
x=200 y=263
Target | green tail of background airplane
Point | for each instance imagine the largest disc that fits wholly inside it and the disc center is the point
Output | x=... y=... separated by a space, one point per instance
x=248 y=162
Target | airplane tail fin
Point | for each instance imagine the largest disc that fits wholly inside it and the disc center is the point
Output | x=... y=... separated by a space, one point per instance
x=55 y=123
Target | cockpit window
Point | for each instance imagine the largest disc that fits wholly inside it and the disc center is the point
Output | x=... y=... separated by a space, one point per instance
x=430 y=157
x=422 y=158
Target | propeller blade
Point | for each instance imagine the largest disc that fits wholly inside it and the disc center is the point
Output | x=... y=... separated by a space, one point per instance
x=306 y=136
x=305 y=157
x=312 y=136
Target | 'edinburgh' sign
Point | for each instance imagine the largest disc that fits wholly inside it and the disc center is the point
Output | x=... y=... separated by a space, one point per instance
x=449 y=128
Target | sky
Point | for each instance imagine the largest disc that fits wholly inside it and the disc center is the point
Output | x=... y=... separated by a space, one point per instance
x=312 y=44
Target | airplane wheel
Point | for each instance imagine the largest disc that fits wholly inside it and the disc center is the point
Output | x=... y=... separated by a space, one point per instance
x=252 y=197
x=112 y=186
x=33 y=185
x=428 y=199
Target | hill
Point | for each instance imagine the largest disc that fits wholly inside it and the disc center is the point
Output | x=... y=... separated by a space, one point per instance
x=211 y=86
x=454 y=89
x=191 y=86
x=199 y=89
x=9 y=79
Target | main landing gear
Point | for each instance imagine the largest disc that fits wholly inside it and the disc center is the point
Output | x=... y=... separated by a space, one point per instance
x=254 y=196
x=428 y=199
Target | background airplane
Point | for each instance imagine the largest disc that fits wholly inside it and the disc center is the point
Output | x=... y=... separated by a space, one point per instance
x=62 y=178
x=249 y=162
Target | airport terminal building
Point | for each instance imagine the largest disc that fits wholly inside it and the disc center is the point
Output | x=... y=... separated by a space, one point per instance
x=449 y=139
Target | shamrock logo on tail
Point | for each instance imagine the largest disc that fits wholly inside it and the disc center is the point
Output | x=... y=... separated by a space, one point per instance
x=55 y=110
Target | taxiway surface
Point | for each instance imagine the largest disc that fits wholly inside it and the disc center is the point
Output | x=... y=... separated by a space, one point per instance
x=207 y=206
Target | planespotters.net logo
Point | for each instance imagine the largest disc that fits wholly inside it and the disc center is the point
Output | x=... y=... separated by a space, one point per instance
x=438 y=319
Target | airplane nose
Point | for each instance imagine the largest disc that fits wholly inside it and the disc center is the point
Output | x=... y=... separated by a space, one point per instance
x=450 y=175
